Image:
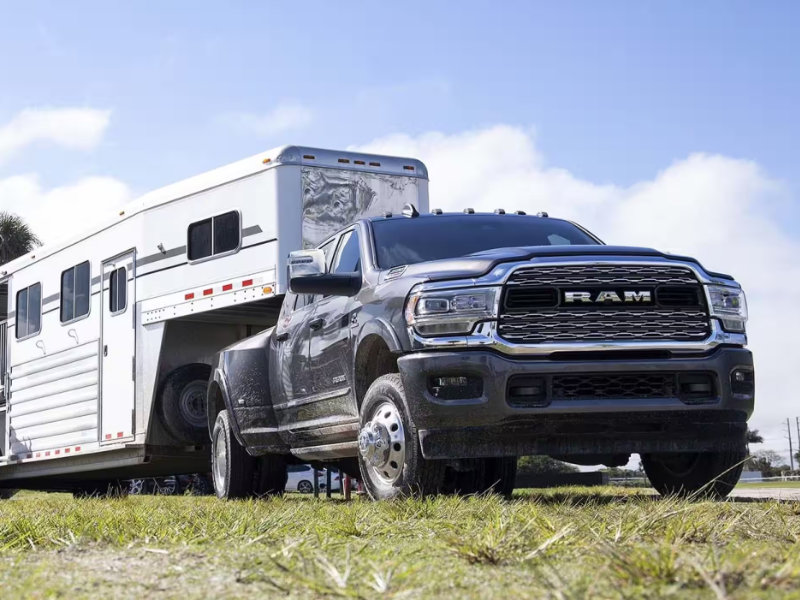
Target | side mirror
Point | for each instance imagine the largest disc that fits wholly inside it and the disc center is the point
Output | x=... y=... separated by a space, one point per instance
x=303 y=263
x=330 y=284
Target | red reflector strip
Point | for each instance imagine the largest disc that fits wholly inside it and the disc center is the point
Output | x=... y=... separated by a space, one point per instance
x=77 y=448
x=247 y=282
x=208 y=292
x=66 y=450
x=108 y=436
x=189 y=297
x=58 y=451
x=227 y=287
x=119 y=434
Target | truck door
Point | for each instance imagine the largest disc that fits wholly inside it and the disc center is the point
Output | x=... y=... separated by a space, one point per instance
x=331 y=343
x=118 y=341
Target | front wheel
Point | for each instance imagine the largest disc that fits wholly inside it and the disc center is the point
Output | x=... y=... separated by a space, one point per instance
x=390 y=458
x=695 y=474
x=231 y=466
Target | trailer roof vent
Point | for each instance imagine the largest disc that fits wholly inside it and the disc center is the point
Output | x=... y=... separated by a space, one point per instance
x=436 y=211
x=499 y=211
x=520 y=212
x=469 y=211
x=542 y=214
x=409 y=210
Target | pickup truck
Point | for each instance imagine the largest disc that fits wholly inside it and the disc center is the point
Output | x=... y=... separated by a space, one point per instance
x=425 y=353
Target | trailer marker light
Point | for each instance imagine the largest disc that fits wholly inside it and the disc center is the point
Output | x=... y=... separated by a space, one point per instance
x=266 y=161
x=374 y=164
x=208 y=292
x=119 y=434
x=66 y=450
x=344 y=160
x=108 y=436
x=189 y=297
x=227 y=287
x=77 y=448
x=359 y=162
x=309 y=156
x=38 y=455
x=408 y=167
x=267 y=290
x=47 y=453
x=58 y=451
x=247 y=283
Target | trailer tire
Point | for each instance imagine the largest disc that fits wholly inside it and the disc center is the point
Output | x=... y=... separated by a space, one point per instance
x=182 y=403
x=232 y=467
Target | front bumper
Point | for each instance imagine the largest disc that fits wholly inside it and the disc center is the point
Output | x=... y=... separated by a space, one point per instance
x=488 y=425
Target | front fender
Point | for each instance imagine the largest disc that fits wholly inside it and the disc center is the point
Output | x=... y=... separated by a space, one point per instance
x=384 y=330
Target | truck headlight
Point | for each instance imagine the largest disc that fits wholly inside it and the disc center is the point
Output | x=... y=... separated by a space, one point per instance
x=450 y=312
x=729 y=305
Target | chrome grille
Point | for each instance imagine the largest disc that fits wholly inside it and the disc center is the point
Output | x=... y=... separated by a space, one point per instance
x=525 y=318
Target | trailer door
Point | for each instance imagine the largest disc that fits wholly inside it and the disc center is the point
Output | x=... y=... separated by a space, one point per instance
x=118 y=342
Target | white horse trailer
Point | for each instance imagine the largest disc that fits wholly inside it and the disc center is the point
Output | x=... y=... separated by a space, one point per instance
x=107 y=337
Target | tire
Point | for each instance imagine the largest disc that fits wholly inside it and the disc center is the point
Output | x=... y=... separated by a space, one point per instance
x=304 y=486
x=710 y=475
x=390 y=458
x=182 y=403
x=500 y=475
x=5 y=494
x=232 y=467
x=270 y=475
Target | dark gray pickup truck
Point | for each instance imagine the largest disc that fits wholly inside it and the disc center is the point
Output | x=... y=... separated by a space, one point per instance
x=425 y=353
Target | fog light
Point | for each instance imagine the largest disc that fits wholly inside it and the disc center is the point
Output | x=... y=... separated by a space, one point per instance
x=743 y=382
x=455 y=387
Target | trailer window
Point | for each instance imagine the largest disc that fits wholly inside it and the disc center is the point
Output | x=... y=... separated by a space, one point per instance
x=76 y=291
x=29 y=311
x=217 y=235
x=118 y=291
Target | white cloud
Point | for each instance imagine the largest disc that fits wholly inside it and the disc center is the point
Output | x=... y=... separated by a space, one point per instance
x=64 y=211
x=73 y=128
x=283 y=118
x=723 y=211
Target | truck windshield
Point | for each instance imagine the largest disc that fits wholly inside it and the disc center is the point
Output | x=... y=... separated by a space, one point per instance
x=409 y=241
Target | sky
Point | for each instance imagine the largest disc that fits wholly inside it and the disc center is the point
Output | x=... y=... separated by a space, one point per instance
x=673 y=126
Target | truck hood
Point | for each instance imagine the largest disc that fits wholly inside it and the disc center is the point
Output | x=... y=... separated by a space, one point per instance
x=480 y=263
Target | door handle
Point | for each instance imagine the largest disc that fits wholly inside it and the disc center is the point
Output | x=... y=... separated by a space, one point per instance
x=316 y=323
x=282 y=337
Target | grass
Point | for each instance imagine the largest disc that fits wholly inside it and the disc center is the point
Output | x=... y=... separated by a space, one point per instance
x=566 y=543
x=770 y=484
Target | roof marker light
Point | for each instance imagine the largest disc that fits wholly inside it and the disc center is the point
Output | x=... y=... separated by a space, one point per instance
x=266 y=161
x=499 y=211
x=387 y=214
x=520 y=212
x=542 y=214
x=359 y=162
x=374 y=164
x=409 y=210
x=469 y=211
x=408 y=167
x=344 y=160
x=309 y=156
x=436 y=211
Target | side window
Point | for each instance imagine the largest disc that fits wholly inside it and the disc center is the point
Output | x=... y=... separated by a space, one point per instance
x=76 y=292
x=118 y=291
x=348 y=257
x=29 y=311
x=328 y=248
x=213 y=236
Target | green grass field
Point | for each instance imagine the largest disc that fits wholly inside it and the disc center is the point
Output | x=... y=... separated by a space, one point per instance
x=569 y=543
x=770 y=484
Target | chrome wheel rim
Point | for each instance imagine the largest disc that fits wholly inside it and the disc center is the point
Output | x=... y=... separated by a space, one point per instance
x=220 y=460
x=382 y=443
x=192 y=403
x=305 y=487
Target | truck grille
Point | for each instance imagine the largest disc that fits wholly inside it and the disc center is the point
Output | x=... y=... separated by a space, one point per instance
x=535 y=310
x=615 y=386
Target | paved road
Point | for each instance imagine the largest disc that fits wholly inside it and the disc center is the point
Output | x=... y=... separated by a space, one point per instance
x=767 y=493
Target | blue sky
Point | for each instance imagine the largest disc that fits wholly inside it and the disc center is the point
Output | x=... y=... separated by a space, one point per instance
x=671 y=125
x=614 y=90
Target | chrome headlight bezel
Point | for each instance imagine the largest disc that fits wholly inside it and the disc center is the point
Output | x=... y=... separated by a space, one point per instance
x=729 y=305
x=454 y=311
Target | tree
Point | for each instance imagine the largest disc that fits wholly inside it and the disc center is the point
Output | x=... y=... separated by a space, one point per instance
x=753 y=437
x=544 y=464
x=16 y=237
x=769 y=462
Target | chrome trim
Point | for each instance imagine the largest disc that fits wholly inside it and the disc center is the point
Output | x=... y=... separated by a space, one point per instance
x=486 y=336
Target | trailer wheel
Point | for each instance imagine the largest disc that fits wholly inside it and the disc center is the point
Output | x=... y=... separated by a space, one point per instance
x=182 y=405
x=232 y=467
x=390 y=457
